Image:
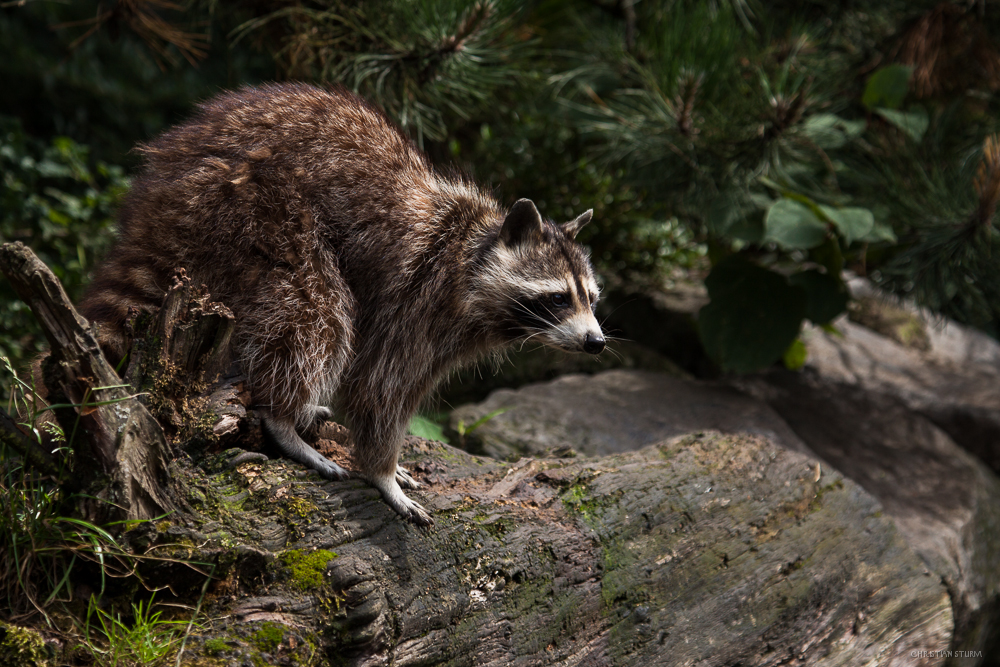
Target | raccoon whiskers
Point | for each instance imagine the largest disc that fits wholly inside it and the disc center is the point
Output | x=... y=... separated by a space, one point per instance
x=615 y=353
x=523 y=341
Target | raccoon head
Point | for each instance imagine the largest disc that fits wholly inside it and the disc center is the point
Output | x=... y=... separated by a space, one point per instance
x=543 y=281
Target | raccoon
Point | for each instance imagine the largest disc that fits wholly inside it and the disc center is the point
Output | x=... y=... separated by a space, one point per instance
x=354 y=269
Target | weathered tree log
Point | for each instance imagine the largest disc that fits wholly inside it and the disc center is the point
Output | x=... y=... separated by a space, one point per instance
x=181 y=361
x=704 y=549
x=701 y=550
x=120 y=451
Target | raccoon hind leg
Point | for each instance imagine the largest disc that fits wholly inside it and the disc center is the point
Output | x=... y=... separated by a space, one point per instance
x=294 y=340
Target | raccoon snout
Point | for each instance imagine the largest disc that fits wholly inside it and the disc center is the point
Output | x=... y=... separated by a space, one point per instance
x=593 y=344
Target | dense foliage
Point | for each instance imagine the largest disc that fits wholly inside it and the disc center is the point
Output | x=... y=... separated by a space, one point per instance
x=773 y=144
x=61 y=203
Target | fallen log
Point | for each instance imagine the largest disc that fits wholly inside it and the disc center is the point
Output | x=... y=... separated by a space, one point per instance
x=704 y=549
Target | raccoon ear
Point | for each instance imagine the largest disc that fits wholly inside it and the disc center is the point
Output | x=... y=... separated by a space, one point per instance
x=523 y=223
x=575 y=225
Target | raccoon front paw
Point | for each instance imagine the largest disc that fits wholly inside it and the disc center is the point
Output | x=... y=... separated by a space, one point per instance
x=417 y=514
x=405 y=479
x=400 y=503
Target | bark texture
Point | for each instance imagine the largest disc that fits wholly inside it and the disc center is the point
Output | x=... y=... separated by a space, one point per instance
x=120 y=451
x=702 y=550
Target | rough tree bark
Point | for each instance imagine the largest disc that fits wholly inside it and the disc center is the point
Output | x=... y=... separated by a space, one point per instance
x=705 y=549
x=119 y=450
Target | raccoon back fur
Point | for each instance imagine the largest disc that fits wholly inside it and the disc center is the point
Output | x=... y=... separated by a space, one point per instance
x=355 y=271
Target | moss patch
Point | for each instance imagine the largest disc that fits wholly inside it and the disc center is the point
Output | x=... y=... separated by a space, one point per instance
x=21 y=647
x=216 y=647
x=307 y=568
x=268 y=638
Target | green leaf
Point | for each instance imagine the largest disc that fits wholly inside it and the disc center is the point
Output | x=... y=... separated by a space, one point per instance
x=826 y=295
x=853 y=223
x=723 y=211
x=795 y=356
x=829 y=256
x=832 y=330
x=752 y=318
x=914 y=123
x=466 y=430
x=887 y=87
x=829 y=131
x=793 y=226
x=749 y=228
x=422 y=427
x=880 y=232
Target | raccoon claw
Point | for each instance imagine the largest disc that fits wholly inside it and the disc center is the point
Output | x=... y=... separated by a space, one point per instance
x=330 y=470
x=405 y=479
x=420 y=516
x=397 y=500
x=321 y=413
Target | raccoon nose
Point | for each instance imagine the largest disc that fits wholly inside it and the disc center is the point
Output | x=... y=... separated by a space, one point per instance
x=593 y=344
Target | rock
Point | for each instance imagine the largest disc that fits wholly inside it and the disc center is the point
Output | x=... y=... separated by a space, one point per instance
x=943 y=370
x=945 y=502
x=948 y=372
x=613 y=412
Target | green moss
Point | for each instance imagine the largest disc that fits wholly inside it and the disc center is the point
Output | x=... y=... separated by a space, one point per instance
x=817 y=500
x=21 y=647
x=216 y=647
x=891 y=321
x=307 y=569
x=578 y=500
x=269 y=637
x=300 y=507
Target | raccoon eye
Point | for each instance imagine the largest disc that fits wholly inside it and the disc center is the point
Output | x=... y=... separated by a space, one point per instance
x=559 y=300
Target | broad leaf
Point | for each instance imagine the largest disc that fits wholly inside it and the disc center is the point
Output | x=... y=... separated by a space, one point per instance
x=793 y=226
x=724 y=210
x=425 y=428
x=826 y=296
x=829 y=131
x=795 y=356
x=887 y=87
x=914 y=123
x=753 y=317
x=853 y=223
x=829 y=256
x=880 y=232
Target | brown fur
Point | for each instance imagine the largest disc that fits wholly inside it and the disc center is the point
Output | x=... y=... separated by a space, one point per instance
x=352 y=267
